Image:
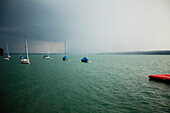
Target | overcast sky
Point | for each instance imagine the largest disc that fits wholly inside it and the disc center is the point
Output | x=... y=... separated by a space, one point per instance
x=104 y=25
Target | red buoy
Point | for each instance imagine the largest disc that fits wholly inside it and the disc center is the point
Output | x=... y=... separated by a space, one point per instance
x=160 y=77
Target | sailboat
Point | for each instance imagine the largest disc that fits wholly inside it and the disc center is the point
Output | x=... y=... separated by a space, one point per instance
x=8 y=56
x=48 y=55
x=65 y=58
x=85 y=59
x=26 y=60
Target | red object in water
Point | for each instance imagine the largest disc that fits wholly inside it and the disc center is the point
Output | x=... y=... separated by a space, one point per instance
x=160 y=77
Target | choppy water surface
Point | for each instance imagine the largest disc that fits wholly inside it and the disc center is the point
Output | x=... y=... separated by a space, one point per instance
x=111 y=83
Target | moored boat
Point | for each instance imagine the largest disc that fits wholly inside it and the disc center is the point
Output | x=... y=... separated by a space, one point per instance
x=85 y=59
x=8 y=56
x=21 y=57
x=47 y=56
x=65 y=58
x=26 y=60
x=165 y=77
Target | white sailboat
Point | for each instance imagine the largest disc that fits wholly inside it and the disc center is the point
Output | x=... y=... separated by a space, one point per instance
x=8 y=56
x=65 y=58
x=26 y=60
x=48 y=55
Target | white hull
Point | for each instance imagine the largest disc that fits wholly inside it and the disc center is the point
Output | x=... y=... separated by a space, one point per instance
x=25 y=61
x=6 y=59
x=47 y=57
x=89 y=61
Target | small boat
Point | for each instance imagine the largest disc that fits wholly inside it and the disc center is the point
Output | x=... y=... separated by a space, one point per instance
x=85 y=59
x=165 y=77
x=21 y=57
x=26 y=60
x=48 y=55
x=65 y=58
x=8 y=56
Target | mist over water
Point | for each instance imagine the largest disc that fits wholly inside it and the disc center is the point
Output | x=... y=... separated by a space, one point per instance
x=111 y=83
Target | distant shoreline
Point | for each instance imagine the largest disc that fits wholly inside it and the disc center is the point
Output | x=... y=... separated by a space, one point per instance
x=141 y=53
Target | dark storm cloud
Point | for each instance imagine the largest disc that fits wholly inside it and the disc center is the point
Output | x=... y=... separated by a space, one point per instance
x=109 y=25
x=19 y=17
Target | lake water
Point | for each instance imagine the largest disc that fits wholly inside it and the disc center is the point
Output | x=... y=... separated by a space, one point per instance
x=111 y=83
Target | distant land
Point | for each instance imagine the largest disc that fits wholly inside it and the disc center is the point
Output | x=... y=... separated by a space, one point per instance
x=159 y=52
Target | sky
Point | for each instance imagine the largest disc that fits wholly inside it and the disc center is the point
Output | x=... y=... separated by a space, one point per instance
x=94 y=26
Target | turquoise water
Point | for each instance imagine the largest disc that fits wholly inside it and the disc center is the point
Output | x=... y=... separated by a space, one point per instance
x=111 y=83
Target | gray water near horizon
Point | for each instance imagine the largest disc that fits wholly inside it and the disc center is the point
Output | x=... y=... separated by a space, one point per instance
x=111 y=83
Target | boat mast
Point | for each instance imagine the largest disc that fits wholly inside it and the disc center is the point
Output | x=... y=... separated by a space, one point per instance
x=48 y=49
x=26 y=48
x=85 y=46
x=7 y=48
x=65 y=48
x=21 y=52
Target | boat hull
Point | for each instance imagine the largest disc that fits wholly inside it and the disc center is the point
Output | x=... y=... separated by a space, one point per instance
x=85 y=61
x=47 y=57
x=165 y=77
x=6 y=59
x=25 y=61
